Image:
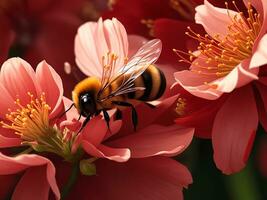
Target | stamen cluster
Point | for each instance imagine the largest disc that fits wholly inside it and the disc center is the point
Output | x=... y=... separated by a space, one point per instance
x=219 y=55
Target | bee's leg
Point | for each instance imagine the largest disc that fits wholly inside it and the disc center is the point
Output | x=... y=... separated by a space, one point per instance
x=107 y=118
x=134 y=113
x=150 y=105
x=87 y=119
x=79 y=117
x=118 y=114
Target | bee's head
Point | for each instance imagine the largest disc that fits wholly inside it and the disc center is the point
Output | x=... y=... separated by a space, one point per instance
x=87 y=104
x=84 y=96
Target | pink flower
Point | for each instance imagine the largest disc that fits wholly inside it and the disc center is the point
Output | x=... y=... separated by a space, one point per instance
x=136 y=153
x=33 y=124
x=139 y=156
x=38 y=100
x=229 y=64
x=95 y=40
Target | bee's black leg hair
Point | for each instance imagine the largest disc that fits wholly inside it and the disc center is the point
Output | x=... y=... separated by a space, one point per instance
x=134 y=113
x=66 y=110
x=150 y=105
x=118 y=115
x=87 y=119
x=107 y=118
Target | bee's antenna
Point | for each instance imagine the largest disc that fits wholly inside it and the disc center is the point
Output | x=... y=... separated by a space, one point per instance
x=66 y=110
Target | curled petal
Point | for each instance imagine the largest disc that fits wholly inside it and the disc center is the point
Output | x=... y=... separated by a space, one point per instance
x=200 y=86
x=11 y=165
x=194 y=84
x=6 y=142
x=18 y=77
x=214 y=20
x=101 y=151
x=234 y=130
x=51 y=85
x=38 y=189
x=259 y=57
x=156 y=140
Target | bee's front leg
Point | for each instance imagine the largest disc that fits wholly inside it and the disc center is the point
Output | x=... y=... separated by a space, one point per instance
x=87 y=119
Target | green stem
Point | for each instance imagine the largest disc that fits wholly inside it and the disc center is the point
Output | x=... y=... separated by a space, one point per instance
x=243 y=185
x=71 y=181
x=26 y=151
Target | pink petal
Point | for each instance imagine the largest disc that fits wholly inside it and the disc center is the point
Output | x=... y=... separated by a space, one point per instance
x=18 y=77
x=194 y=83
x=33 y=185
x=214 y=20
x=101 y=151
x=115 y=127
x=6 y=100
x=138 y=179
x=238 y=77
x=6 y=142
x=11 y=165
x=259 y=57
x=95 y=40
x=85 y=50
x=156 y=140
x=51 y=85
x=116 y=38
x=234 y=130
x=95 y=130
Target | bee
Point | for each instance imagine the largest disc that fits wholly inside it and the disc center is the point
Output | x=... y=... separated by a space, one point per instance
x=138 y=80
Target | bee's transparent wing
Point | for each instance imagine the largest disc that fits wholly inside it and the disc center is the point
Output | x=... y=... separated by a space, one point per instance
x=144 y=57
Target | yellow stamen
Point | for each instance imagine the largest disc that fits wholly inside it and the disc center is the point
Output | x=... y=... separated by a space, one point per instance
x=220 y=55
x=109 y=65
x=31 y=123
x=180 y=106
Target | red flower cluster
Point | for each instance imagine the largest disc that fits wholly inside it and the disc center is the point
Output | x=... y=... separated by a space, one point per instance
x=212 y=54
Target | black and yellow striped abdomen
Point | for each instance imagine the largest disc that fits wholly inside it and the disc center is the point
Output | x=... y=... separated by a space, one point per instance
x=154 y=82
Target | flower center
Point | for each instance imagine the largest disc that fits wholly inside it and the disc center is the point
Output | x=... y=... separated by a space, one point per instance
x=185 y=8
x=220 y=55
x=31 y=123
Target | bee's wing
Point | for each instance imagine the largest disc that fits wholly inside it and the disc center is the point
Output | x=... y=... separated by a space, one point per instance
x=144 y=57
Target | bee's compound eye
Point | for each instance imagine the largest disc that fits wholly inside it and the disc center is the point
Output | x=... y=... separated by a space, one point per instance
x=87 y=104
x=86 y=99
